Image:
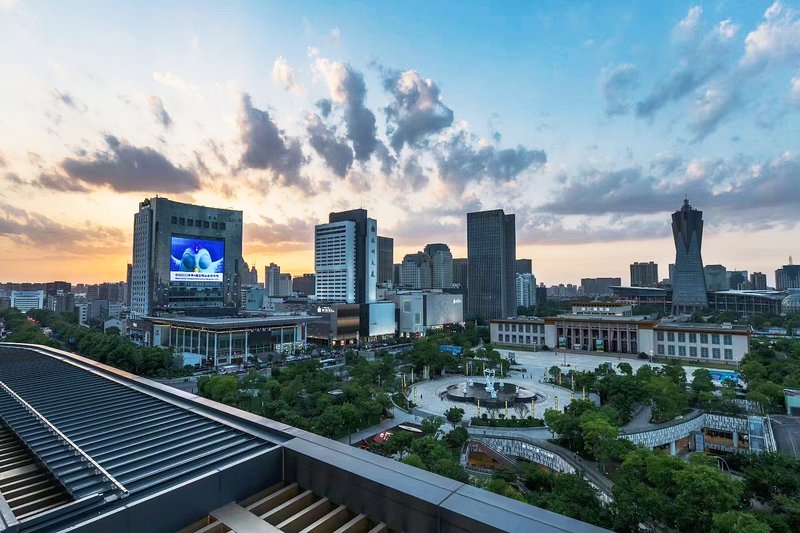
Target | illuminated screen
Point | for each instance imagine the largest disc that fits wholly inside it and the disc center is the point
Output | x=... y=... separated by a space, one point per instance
x=194 y=259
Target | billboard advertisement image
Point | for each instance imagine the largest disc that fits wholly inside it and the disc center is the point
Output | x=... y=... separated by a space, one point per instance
x=195 y=259
x=599 y=345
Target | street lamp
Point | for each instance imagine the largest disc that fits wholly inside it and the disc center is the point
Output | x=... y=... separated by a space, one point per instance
x=651 y=356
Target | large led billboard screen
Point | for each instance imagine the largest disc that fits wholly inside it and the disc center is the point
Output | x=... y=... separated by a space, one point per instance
x=195 y=259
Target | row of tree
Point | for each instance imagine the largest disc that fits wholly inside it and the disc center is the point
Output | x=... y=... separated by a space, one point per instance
x=109 y=348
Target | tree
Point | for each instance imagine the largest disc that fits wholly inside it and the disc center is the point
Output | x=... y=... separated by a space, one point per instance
x=598 y=432
x=454 y=415
x=701 y=381
x=554 y=372
x=738 y=522
x=431 y=425
x=414 y=460
x=625 y=368
x=400 y=442
x=329 y=421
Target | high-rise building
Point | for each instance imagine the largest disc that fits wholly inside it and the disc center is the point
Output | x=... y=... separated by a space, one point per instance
x=644 y=274
x=787 y=277
x=491 y=258
x=441 y=265
x=272 y=279
x=184 y=256
x=460 y=273
x=599 y=286
x=304 y=285
x=346 y=257
x=128 y=277
x=253 y=282
x=541 y=294
x=737 y=279
x=758 y=281
x=716 y=278
x=523 y=266
x=61 y=302
x=335 y=262
x=385 y=260
x=397 y=273
x=284 y=285
x=688 y=282
x=526 y=290
x=24 y=301
x=671 y=272
x=416 y=271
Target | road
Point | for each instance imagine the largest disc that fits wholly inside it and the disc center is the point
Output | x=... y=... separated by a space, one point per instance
x=787 y=434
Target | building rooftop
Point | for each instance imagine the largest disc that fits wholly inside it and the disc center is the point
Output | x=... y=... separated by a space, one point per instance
x=232 y=322
x=117 y=452
x=605 y=318
x=735 y=328
x=768 y=294
x=531 y=319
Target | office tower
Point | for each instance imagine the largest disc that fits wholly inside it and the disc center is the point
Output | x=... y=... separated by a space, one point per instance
x=671 y=272
x=335 y=262
x=61 y=302
x=416 y=271
x=272 y=279
x=128 y=277
x=523 y=266
x=599 y=286
x=688 y=282
x=541 y=295
x=24 y=301
x=349 y=241
x=385 y=260
x=460 y=273
x=184 y=256
x=787 y=277
x=491 y=258
x=758 y=281
x=253 y=281
x=737 y=279
x=526 y=290
x=441 y=265
x=305 y=285
x=716 y=278
x=397 y=270
x=284 y=285
x=644 y=274
x=55 y=287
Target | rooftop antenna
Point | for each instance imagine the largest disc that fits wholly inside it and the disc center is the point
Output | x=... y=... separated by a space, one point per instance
x=790 y=260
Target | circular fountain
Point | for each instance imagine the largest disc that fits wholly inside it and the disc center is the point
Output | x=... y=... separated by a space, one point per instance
x=491 y=392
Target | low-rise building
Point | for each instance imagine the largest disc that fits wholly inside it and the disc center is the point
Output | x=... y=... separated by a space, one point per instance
x=24 y=301
x=418 y=312
x=524 y=331
x=748 y=302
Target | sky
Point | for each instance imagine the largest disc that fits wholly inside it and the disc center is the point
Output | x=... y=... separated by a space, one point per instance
x=589 y=121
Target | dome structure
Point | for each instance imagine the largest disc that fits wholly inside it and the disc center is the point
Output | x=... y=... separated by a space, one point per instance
x=791 y=304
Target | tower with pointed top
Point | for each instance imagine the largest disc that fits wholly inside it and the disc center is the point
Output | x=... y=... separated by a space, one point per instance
x=688 y=283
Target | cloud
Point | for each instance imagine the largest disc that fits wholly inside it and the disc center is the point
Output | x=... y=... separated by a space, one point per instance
x=701 y=57
x=347 y=88
x=3 y=160
x=156 y=106
x=413 y=174
x=616 y=85
x=168 y=79
x=775 y=40
x=128 y=168
x=336 y=153
x=764 y=192
x=274 y=236
x=460 y=160
x=13 y=179
x=283 y=75
x=417 y=110
x=266 y=147
x=547 y=229
x=794 y=96
x=33 y=229
x=70 y=101
x=336 y=35
x=325 y=107
x=58 y=182
x=710 y=108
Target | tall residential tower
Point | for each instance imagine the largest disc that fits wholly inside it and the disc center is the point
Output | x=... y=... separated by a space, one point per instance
x=688 y=280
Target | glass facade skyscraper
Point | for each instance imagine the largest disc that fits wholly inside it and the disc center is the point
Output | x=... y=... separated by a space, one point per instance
x=491 y=261
x=688 y=280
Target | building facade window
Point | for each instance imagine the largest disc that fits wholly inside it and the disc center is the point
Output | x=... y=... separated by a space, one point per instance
x=660 y=335
x=692 y=351
x=692 y=337
x=681 y=336
x=715 y=353
x=714 y=339
x=671 y=349
x=704 y=338
x=728 y=353
x=671 y=336
x=660 y=349
x=682 y=351
x=727 y=339
x=704 y=352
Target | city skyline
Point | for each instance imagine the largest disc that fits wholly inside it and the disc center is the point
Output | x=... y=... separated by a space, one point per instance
x=590 y=134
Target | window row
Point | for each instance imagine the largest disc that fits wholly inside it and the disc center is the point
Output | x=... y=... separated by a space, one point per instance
x=682 y=336
x=682 y=351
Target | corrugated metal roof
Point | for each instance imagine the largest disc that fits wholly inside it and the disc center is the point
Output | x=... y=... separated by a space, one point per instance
x=140 y=440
